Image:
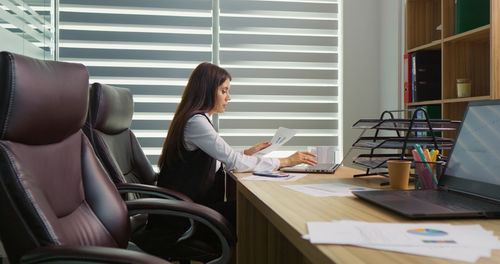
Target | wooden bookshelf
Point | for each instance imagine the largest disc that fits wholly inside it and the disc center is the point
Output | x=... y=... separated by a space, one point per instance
x=474 y=54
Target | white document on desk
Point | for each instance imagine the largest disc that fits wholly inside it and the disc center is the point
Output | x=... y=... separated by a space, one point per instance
x=469 y=255
x=460 y=254
x=458 y=242
x=281 y=136
x=385 y=234
x=327 y=189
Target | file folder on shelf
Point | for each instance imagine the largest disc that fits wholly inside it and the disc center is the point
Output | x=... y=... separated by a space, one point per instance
x=470 y=14
x=426 y=75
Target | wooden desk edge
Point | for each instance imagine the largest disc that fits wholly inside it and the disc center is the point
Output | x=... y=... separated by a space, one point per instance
x=311 y=251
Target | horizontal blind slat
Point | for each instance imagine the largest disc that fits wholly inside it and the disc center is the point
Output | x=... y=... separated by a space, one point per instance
x=283 y=57
x=149 y=47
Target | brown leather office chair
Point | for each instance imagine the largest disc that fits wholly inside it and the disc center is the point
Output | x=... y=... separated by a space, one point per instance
x=57 y=202
x=108 y=127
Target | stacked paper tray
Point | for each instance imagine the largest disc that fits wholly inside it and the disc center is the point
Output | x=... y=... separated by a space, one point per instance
x=404 y=124
x=377 y=160
x=398 y=142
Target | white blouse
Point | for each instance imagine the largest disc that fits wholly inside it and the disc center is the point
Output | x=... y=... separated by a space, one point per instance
x=199 y=133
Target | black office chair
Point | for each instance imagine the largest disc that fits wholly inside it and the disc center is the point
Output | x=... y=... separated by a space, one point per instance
x=108 y=127
x=57 y=203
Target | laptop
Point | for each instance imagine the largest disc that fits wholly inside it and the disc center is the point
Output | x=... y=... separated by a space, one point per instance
x=317 y=168
x=470 y=183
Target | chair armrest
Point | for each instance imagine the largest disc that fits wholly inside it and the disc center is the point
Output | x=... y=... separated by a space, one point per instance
x=152 y=190
x=88 y=254
x=159 y=192
x=202 y=214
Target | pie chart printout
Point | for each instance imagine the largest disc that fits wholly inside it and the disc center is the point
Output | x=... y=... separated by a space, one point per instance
x=427 y=232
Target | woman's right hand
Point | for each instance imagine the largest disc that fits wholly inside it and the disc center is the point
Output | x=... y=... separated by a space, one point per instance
x=298 y=157
x=256 y=148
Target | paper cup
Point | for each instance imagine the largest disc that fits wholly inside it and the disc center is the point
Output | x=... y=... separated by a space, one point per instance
x=399 y=173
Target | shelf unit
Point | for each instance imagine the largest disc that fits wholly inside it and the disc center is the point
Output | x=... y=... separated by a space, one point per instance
x=474 y=54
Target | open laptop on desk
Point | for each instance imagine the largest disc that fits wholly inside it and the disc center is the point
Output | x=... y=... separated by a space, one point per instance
x=470 y=184
x=318 y=168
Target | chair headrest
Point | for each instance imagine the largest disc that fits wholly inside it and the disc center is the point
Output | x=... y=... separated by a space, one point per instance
x=111 y=108
x=41 y=102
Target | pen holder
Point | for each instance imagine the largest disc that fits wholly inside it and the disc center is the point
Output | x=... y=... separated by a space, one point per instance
x=428 y=174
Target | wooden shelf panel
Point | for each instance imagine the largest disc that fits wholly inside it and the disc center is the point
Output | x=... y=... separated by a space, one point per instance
x=435 y=45
x=422 y=19
x=466 y=59
x=448 y=18
x=480 y=34
x=466 y=99
x=424 y=103
x=495 y=55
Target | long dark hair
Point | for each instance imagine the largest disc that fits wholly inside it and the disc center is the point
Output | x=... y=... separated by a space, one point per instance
x=198 y=97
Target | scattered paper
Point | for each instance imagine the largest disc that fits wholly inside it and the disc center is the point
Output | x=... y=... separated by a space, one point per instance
x=281 y=136
x=290 y=178
x=327 y=189
x=457 y=242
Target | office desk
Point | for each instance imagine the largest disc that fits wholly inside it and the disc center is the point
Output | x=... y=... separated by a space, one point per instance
x=271 y=220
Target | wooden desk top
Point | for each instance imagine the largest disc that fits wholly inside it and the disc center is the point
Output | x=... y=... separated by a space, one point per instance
x=289 y=211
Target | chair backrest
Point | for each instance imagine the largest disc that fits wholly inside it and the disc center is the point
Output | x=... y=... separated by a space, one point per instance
x=53 y=189
x=108 y=127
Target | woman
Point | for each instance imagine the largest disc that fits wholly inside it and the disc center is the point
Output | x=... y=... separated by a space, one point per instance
x=193 y=152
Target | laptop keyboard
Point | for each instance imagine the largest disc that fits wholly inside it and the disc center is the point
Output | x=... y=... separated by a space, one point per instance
x=454 y=201
x=318 y=168
x=321 y=167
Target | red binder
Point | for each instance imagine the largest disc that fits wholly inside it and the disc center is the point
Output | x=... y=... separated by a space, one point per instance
x=407 y=78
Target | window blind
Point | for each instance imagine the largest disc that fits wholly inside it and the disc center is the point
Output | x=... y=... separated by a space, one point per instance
x=283 y=56
x=284 y=60
x=150 y=47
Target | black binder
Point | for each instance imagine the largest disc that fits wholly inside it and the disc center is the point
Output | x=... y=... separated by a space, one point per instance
x=426 y=75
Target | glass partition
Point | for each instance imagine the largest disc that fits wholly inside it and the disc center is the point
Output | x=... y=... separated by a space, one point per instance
x=26 y=27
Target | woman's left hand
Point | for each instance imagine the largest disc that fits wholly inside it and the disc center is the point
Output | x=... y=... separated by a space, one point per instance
x=256 y=148
x=298 y=158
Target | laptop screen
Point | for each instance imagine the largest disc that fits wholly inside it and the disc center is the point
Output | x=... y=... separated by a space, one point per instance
x=474 y=163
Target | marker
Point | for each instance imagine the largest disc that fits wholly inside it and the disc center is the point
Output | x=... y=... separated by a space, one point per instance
x=434 y=155
x=427 y=155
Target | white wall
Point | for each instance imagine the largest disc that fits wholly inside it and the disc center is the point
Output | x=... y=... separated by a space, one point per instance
x=390 y=55
x=371 y=57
